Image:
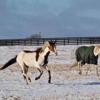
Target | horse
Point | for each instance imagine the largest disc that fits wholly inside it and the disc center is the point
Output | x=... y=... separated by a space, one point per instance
x=86 y=55
x=37 y=58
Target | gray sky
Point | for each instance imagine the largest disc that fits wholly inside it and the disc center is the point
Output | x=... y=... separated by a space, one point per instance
x=53 y=18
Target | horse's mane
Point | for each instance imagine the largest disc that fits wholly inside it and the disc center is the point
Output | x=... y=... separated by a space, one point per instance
x=44 y=46
x=40 y=49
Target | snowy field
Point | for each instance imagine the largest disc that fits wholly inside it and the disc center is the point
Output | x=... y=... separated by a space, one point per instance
x=65 y=84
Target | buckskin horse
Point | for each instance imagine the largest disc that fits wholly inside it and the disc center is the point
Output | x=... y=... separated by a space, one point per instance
x=86 y=55
x=37 y=58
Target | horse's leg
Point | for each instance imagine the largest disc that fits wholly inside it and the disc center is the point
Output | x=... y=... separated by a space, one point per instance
x=49 y=81
x=49 y=73
x=26 y=70
x=87 y=68
x=96 y=67
x=24 y=67
x=41 y=72
x=25 y=79
x=80 y=68
x=24 y=76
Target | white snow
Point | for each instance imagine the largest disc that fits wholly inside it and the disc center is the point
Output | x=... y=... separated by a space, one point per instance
x=65 y=84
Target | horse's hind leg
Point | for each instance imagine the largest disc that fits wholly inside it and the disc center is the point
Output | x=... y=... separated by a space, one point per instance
x=24 y=67
x=25 y=70
x=80 y=68
x=87 y=68
x=41 y=72
x=96 y=67
x=25 y=79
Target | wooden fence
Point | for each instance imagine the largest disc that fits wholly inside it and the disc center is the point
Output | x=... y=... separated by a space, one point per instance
x=59 y=41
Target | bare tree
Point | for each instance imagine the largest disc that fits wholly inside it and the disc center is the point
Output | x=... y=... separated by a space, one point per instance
x=38 y=35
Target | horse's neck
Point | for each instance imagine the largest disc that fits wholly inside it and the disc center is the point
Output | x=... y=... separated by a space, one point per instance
x=45 y=51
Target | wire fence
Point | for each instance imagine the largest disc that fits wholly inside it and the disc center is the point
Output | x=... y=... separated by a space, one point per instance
x=59 y=41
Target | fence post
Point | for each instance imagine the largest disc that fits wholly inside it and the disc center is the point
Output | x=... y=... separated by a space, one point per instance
x=18 y=42
x=6 y=43
x=37 y=42
x=43 y=40
x=93 y=40
x=11 y=42
x=77 y=41
x=64 y=41
x=80 y=41
x=68 y=40
x=56 y=40
x=90 y=41
x=31 y=41
x=24 y=42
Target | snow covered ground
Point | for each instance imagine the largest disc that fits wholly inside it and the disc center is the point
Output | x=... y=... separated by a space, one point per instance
x=65 y=84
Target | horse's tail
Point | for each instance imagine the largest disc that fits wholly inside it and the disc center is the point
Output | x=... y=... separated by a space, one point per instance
x=74 y=64
x=10 y=62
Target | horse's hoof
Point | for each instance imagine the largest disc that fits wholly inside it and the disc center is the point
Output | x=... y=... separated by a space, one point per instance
x=29 y=79
x=49 y=81
x=26 y=83
x=80 y=73
x=97 y=74
x=36 y=78
x=86 y=74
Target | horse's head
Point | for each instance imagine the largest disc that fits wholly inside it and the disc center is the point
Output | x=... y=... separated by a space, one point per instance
x=96 y=50
x=52 y=47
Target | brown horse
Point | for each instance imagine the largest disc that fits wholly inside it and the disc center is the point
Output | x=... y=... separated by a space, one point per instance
x=37 y=58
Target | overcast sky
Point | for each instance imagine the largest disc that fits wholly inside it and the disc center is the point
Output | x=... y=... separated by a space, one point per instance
x=53 y=18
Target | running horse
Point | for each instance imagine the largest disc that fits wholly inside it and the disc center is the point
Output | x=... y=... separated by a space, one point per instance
x=86 y=55
x=37 y=58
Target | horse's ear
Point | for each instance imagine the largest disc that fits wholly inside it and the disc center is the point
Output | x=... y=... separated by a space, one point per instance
x=51 y=42
x=54 y=42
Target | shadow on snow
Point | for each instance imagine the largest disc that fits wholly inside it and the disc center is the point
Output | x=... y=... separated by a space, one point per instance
x=93 y=83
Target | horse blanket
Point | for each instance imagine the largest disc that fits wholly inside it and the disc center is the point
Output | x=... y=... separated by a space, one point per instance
x=85 y=54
